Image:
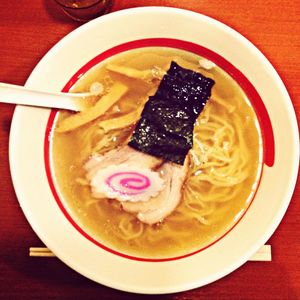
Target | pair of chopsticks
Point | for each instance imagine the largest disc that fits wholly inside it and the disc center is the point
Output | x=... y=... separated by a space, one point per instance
x=263 y=254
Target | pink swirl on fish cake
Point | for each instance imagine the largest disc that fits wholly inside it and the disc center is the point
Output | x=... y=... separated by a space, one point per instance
x=128 y=183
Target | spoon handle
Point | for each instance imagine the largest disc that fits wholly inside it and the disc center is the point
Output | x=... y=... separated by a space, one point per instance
x=15 y=94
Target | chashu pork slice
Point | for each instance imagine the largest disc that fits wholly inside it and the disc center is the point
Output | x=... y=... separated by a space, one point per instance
x=122 y=155
x=159 y=207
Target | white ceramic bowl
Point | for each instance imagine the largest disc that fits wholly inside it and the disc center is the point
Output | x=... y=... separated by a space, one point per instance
x=177 y=28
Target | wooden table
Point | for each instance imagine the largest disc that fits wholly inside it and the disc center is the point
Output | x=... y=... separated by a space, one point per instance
x=28 y=29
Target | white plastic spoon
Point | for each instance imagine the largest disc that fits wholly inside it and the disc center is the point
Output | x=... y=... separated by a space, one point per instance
x=15 y=94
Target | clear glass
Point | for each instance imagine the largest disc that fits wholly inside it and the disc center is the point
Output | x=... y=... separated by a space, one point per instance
x=85 y=10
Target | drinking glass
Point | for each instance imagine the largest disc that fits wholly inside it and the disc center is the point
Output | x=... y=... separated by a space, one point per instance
x=85 y=10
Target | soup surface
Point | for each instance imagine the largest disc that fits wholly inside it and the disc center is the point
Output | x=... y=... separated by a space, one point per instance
x=224 y=163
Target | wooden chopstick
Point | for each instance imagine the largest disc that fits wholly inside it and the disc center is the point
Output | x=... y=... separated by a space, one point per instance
x=263 y=254
x=40 y=252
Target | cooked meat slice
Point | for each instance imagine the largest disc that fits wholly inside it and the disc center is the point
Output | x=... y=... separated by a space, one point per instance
x=159 y=207
x=122 y=155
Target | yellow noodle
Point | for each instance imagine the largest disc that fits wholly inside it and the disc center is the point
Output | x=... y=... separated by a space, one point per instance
x=220 y=101
x=128 y=229
x=82 y=181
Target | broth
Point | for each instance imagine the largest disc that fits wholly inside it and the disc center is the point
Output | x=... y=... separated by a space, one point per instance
x=223 y=172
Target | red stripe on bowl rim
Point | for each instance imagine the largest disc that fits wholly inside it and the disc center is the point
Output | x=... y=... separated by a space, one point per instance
x=253 y=96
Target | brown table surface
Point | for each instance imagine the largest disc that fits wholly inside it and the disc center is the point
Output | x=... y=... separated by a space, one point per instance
x=28 y=29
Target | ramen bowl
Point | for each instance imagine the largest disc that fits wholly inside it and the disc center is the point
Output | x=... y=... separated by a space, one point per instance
x=38 y=190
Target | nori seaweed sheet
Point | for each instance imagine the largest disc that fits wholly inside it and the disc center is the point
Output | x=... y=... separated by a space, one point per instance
x=166 y=126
